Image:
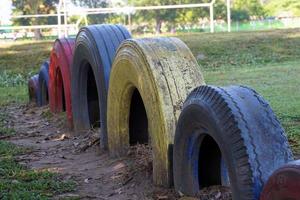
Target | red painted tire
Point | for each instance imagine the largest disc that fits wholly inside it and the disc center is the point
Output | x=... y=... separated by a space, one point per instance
x=284 y=183
x=60 y=77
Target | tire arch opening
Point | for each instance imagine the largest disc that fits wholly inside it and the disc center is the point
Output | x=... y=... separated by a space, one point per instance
x=92 y=97
x=60 y=84
x=63 y=98
x=31 y=91
x=138 y=120
x=45 y=94
x=209 y=163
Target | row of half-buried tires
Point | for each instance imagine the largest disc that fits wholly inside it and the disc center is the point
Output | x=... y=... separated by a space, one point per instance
x=38 y=86
x=135 y=90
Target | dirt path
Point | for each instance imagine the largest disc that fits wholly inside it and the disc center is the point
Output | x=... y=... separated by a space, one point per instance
x=78 y=158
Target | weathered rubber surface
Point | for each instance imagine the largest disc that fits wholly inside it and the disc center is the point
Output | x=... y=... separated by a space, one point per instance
x=43 y=98
x=95 y=45
x=236 y=124
x=284 y=183
x=33 y=88
x=60 y=77
x=163 y=71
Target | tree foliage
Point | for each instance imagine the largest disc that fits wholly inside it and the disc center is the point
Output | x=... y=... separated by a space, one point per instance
x=239 y=15
x=156 y=16
x=28 y=7
x=251 y=7
x=179 y=16
x=93 y=19
x=275 y=7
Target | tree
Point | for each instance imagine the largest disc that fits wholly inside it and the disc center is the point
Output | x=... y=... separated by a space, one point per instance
x=239 y=15
x=26 y=7
x=179 y=16
x=159 y=16
x=274 y=7
x=252 y=7
x=94 y=19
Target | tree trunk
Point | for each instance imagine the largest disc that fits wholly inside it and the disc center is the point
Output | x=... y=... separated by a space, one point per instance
x=34 y=5
x=158 y=26
x=37 y=34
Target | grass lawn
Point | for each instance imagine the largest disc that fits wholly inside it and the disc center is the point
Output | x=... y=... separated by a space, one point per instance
x=18 y=61
x=18 y=182
x=268 y=61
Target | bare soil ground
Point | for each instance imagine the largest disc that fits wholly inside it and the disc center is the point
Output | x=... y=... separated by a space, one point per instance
x=96 y=174
x=79 y=158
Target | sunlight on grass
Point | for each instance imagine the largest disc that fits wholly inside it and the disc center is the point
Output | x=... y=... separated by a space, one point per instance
x=5 y=129
x=18 y=182
x=17 y=94
x=28 y=56
x=244 y=48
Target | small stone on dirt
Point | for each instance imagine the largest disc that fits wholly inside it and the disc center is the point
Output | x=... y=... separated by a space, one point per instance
x=62 y=137
x=87 y=180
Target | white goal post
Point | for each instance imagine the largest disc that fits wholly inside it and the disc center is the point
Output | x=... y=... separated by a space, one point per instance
x=89 y=11
x=62 y=10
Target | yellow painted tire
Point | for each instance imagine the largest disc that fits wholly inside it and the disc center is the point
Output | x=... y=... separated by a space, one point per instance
x=162 y=71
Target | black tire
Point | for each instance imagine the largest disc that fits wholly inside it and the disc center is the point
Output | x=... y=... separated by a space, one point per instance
x=94 y=53
x=43 y=97
x=236 y=124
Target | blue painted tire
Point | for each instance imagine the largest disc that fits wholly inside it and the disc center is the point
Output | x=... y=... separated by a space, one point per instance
x=236 y=124
x=43 y=97
x=95 y=49
x=33 y=88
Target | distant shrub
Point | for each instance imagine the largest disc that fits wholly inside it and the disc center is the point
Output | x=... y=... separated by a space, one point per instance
x=240 y=15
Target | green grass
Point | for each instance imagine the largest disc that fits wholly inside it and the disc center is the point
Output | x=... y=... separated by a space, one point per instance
x=5 y=130
x=18 y=61
x=19 y=182
x=245 y=48
x=23 y=57
x=13 y=94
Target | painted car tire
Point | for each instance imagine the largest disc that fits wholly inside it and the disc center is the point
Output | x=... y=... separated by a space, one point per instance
x=60 y=77
x=94 y=52
x=33 y=88
x=157 y=73
x=43 y=98
x=236 y=124
x=284 y=183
